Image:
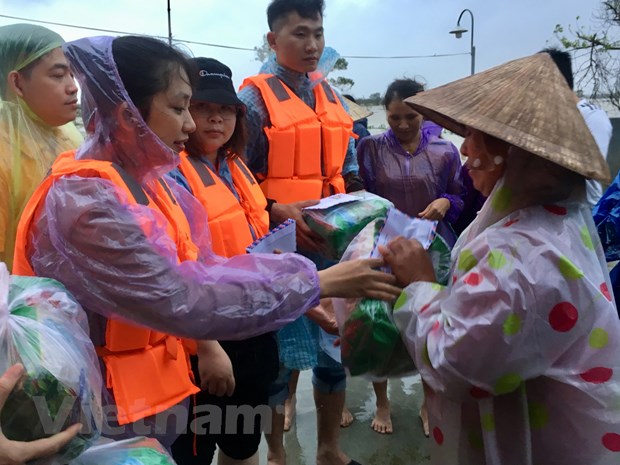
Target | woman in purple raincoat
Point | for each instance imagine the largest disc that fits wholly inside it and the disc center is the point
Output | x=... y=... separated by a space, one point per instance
x=87 y=235
x=412 y=167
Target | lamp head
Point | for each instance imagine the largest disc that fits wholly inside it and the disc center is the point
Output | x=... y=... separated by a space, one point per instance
x=458 y=31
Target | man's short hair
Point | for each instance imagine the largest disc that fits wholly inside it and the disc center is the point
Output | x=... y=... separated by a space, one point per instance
x=278 y=9
x=563 y=61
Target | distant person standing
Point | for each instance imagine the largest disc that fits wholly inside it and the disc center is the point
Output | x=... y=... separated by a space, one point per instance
x=360 y=122
x=595 y=117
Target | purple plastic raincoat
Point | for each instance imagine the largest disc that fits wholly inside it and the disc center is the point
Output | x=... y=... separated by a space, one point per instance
x=87 y=236
x=412 y=181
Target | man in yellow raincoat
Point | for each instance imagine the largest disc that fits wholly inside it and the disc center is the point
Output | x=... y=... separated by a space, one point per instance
x=38 y=103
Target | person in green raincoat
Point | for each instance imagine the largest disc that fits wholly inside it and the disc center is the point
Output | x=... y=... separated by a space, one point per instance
x=38 y=103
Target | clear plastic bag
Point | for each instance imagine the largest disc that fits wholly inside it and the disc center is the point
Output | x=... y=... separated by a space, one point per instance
x=339 y=218
x=44 y=329
x=370 y=342
x=134 y=451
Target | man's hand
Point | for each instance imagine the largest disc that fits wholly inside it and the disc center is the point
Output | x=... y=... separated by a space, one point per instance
x=16 y=452
x=215 y=368
x=323 y=315
x=306 y=238
x=408 y=261
x=436 y=210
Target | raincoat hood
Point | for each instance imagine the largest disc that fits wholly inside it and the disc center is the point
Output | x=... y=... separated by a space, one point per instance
x=138 y=150
x=22 y=44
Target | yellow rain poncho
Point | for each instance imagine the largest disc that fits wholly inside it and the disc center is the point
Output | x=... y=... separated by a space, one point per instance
x=27 y=145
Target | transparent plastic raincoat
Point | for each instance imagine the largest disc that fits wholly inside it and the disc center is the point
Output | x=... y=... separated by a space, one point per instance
x=89 y=237
x=27 y=145
x=521 y=348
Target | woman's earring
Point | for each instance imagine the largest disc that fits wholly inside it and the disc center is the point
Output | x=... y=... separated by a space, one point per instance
x=498 y=159
x=476 y=163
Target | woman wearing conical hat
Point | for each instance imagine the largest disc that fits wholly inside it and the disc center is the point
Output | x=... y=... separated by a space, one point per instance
x=522 y=348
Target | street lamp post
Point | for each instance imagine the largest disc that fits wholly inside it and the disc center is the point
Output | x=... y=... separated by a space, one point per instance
x=169 y=25
x=458 y=32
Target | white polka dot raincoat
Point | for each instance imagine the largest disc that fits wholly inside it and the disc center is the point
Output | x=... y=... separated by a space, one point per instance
x=522 y=349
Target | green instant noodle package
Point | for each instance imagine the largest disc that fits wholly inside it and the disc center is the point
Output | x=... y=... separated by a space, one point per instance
x=135 y=451
x=339 y=218
x=44 y=328
x=370 y=342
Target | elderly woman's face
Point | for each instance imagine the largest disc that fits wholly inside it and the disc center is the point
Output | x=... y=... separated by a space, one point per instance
x=485 y=159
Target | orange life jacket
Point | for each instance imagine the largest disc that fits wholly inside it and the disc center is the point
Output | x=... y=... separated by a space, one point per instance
x=228 y=217
x=307 y=147
x=147 y=371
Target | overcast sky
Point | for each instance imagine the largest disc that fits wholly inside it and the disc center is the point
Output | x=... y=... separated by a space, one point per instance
x=504 y=30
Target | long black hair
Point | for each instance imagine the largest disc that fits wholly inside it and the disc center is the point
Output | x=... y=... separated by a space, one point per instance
x=146 y=66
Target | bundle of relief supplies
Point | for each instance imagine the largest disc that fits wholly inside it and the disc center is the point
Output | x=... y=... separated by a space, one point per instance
x=135 y=451
x=370 y=342
x=45 y=329
x=339 y=218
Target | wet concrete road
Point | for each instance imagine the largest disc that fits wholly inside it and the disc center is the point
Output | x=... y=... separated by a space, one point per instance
x=406 y=446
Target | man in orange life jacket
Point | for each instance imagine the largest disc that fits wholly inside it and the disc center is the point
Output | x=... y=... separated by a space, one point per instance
x=300 y=149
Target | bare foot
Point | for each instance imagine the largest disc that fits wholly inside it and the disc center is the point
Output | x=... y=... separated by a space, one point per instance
x=346 y=419
x=276 y=458
x=424 y=420
x=382 y=423
x=290 y=409
x=332 y=457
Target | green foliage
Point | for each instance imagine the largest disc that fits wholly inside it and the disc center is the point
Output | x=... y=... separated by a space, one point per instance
x=342 y=83
x=596 y=47
x=341 y=64
x=263 y=51
x=372 y=99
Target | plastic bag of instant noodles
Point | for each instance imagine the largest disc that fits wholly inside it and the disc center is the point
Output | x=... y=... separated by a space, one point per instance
x=45 y=329
x=370 y=342
x=339 y=218
x=135 y=451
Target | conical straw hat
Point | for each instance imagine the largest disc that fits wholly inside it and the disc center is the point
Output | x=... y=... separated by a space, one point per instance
x=356 y=111
x=524 y=102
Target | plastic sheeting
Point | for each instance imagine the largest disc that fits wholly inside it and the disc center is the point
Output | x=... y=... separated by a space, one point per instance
x=89 y=238
x=27 y=146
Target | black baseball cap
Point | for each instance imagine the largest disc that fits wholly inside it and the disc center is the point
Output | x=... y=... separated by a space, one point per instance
x=214 y=83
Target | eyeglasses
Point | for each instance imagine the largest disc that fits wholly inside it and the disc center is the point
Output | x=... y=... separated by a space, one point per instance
x=207 y=110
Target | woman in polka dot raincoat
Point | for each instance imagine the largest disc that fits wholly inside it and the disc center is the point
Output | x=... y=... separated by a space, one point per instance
x=522 y=348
